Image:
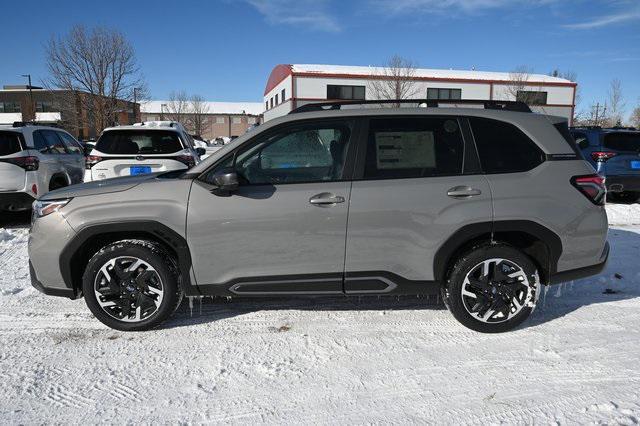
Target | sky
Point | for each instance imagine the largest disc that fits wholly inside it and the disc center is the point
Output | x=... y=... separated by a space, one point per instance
x=224 y=50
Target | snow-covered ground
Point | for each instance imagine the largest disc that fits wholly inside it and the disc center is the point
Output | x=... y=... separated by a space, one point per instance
x=338 y=361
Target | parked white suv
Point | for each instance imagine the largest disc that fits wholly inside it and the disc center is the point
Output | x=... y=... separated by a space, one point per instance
x=35 y=160
x=142 y=148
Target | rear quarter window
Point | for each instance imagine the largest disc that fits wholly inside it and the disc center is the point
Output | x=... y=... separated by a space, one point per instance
x=135 y=142
x=622 y=141
x=503 y=148
x=10 y=143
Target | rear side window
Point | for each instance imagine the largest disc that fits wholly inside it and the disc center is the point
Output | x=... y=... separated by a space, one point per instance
x=503 y=148
x=9 y=143
x=622 y=141
x=46 y=141
x=134 y=142
x=414 y=147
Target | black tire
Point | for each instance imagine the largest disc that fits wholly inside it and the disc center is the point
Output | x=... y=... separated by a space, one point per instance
x=496 y=294
x=626 y=197
x=150 y=253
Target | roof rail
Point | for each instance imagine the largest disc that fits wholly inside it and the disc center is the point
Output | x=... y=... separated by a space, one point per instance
x=429 y=103
x=34 y=123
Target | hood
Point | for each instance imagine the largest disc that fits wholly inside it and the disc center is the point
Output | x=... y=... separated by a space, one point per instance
x=98 y=187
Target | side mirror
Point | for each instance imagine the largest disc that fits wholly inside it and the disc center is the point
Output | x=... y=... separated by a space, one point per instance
x=226 y=181
x=201 y=151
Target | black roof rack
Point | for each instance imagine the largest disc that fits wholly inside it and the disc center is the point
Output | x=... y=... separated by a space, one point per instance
x=34 y=123
x=429 y=103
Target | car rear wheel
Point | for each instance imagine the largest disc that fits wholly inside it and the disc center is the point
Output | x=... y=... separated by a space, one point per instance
x=132 y=285
x=492 y=288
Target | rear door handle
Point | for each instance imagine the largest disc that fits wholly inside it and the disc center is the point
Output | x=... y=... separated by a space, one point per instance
x=463 y=192
x=326 y=199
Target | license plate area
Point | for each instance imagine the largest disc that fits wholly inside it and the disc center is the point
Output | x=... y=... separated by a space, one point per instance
x=635 y=164
x=139 y=170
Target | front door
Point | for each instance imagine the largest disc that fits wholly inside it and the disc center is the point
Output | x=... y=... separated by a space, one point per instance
x=283 y=231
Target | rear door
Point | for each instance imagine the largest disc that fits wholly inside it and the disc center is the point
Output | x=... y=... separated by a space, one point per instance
x=418 y=182
x=12 y=176
x=73 y=161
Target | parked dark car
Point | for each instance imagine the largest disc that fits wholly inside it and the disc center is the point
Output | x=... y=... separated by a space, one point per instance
x=615 y=154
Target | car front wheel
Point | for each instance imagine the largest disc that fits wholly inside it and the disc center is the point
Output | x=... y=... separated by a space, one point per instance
x=492 y=288
x=132 y=285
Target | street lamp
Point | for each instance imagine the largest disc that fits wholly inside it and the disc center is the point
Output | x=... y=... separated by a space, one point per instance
x=33 y=107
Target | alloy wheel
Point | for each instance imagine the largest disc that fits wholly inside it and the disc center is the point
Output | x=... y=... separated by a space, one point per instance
x=496 y=290
x=128 y=289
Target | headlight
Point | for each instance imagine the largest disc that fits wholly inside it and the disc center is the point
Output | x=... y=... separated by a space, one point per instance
x=44 y=208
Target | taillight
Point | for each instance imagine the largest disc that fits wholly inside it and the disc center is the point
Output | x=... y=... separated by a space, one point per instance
x=91 y=161
x=602 y=156
x=592 y=187
x=28 y=163
x=188 y=160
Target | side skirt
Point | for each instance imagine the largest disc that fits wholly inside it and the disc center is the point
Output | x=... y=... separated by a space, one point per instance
x=354 y=283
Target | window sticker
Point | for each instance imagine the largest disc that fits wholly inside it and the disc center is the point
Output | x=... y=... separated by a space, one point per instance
x=405 y=150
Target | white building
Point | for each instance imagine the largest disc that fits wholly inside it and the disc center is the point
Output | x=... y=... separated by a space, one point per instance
x=290 y=86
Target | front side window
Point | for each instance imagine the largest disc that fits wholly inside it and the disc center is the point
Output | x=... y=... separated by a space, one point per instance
x=73 y=147
x=136 y=142
x=444 y=94
x=47 y=141
x=414 y=147
x=312 y=153
x=345 y=92
x=532 y=98
x=503 y=148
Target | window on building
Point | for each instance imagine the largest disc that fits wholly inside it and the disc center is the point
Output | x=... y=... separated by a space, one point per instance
x=219 y=120
x=414 y=148
x=237 y=120
x=277 y=99
x=44 y=106
x=283 y=95
x=251 y=120
x=503 y=148
x=9 y=107
x=266 y=105
x=345 y=92
x=444 y=94
x=532 y=98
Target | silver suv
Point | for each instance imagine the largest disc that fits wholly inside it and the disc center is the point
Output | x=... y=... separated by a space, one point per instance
x=35 y=160
x=479 y=205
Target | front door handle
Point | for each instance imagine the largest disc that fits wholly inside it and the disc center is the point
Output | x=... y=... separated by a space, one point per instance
x=325 y=199
x=463 y=192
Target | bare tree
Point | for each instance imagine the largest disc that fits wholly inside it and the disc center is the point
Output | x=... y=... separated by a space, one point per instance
x=395 y=80
x=517 y=86
x=178 y=107
x=199 y=119
x=98 y=70
x=635 y=117
x=616 y=103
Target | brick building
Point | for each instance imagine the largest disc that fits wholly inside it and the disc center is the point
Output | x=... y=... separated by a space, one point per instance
x=60 y=107
x=222 y=119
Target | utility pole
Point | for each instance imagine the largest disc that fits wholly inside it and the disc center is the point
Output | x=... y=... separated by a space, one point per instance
x=135 y=102
x=33 y=106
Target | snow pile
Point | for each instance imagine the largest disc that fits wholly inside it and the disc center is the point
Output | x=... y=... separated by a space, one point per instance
x=623 y=214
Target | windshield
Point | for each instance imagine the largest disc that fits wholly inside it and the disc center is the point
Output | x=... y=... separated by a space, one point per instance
x=139 y=142
x=9 y=143
x=623 y=141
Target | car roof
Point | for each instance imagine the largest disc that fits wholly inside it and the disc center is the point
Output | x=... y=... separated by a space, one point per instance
x=21 y=129
x=149 y=125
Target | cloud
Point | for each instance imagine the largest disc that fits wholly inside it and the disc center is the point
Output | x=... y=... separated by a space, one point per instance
x=466 y=6
x=308 y=14
x=603 y=21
